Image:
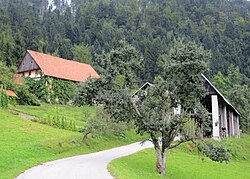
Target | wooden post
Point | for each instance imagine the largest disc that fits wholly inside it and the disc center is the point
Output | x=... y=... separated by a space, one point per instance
x=215 y=117
x=232 y=120
x=225 y=119
x=238 y=127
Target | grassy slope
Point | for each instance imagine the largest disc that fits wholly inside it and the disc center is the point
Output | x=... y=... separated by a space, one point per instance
x=25 y=144
x=77 y=114
x=185 y=164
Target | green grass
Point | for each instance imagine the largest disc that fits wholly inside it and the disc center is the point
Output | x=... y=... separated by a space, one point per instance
x=45 y=111
x=185 y=164
x=24 y=143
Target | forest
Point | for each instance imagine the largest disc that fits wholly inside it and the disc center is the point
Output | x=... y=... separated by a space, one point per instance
x=62 y=27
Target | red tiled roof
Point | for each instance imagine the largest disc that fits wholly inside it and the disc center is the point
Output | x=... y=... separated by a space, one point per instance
x=62 y=68
x=11 y=93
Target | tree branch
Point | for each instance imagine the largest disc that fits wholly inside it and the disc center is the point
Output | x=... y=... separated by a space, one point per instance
x=139 y=114
x=180 y=142
x=136 y=109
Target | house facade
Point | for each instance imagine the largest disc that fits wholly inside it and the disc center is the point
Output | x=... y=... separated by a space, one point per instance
x=224 y=116
x=35 y=65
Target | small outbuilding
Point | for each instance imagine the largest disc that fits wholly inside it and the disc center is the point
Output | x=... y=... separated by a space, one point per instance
x=11 y=93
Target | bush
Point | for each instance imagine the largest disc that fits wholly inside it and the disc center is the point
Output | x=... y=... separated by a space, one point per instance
x=218 y=153
x=3 y=99
x=6 y=76
x=25 y=97
x=52 y=90
x=101 y=124
x=86 y=93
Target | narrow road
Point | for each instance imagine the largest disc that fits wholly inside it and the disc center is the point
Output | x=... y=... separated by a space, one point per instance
x=89 y=166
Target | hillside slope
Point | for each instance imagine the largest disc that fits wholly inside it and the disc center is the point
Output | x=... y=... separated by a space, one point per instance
x=25 y=144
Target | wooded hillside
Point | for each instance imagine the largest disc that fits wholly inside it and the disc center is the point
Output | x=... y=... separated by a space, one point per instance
x=55 y=26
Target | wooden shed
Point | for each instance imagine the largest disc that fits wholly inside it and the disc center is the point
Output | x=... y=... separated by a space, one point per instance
x=224 y=116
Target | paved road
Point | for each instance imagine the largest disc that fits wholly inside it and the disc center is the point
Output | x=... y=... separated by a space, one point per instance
x=89 y=166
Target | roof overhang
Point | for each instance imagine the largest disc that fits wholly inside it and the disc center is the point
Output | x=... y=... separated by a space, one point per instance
x=219 y=93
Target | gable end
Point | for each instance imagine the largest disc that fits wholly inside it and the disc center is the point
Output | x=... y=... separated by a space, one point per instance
x=27 y=64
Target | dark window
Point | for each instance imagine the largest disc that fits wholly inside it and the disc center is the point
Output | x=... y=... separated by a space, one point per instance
x=29 y=72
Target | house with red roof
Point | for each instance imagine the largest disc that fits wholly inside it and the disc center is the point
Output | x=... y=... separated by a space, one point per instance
x=36 y=65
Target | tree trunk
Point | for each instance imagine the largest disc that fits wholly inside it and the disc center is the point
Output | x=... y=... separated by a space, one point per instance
x=161 y=161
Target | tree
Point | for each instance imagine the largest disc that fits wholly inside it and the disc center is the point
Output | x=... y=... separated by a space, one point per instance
x=119 y=69
x=6 y=76
x=7 y=46
x=82 y=54
x=180 y=84
x=123 y=61
x=87 y=92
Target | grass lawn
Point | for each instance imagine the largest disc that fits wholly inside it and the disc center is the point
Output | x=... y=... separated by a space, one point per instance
x=184 y=163
x=24 y=143
x=77 y=114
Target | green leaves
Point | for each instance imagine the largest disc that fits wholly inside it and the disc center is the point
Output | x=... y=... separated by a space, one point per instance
x=52 y=90
x=182 y=68
x=25 y=97
x=3 y=98
x=87 y=92
x=82 y=54
x=6 y=76
x=216 y=152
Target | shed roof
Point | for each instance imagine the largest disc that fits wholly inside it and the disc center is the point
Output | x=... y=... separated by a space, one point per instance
x=205 y=78
x=145 y=85
x=219 y=93
x=62 y=68
x=11 y=93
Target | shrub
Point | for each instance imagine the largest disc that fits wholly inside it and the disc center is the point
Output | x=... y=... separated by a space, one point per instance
x=52 y=90
x=6 y=76
x=102 y=124
x=3 y=99
x=86 y=93
x=218 y=153
x=25 y=97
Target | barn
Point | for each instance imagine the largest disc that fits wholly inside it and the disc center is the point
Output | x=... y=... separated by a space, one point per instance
x=224 y=116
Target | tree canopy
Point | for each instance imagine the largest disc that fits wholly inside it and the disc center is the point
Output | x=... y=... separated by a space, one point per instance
x=221 y=26
x=154 y=110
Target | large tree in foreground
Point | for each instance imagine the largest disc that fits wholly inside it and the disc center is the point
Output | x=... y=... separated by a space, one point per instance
x=179 y=84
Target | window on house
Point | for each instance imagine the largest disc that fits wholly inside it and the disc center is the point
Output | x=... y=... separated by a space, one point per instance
x=29 y=72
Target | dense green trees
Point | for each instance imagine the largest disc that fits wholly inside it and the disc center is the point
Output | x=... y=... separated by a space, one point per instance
x=150 y=26
x=82 y=54
x=220 y=26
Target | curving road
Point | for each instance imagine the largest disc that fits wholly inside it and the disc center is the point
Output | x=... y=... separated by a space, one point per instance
x=89 y=166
